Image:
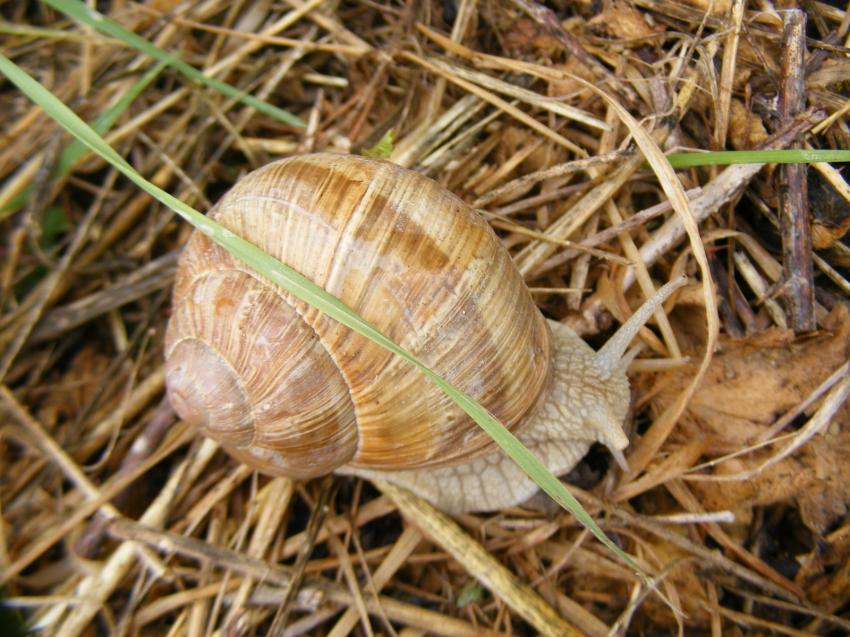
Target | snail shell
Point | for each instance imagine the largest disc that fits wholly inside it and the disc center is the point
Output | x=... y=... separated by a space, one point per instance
x=292 y=392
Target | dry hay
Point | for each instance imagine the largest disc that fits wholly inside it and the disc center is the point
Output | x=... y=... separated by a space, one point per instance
x=739 y=502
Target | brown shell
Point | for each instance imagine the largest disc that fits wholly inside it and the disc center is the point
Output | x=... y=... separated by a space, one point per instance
x=293 y=392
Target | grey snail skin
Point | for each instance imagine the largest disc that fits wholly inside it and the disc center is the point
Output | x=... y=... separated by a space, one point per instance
x=289 y=391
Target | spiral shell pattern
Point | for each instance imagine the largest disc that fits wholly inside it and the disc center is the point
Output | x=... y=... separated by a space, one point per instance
x=291 y=391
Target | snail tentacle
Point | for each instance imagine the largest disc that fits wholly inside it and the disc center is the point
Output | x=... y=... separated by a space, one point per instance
x=613 y=353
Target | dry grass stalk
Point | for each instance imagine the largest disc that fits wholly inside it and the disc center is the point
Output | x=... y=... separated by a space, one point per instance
x=542 y=116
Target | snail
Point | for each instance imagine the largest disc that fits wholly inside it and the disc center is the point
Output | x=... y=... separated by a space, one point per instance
x=287 y=390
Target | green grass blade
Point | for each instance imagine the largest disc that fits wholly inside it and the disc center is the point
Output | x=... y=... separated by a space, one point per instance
x=309 y=292
x=106 y=120
x=728 y=157
x=76 y=150
x=78 y=11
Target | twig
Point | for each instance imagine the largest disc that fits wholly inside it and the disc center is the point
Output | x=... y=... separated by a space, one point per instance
x=793 y=204
x=722 y=189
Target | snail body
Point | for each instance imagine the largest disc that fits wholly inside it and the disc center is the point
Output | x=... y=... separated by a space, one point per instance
x=291 y=392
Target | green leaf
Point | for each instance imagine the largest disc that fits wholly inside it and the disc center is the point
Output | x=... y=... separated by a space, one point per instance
x=53 y=224
x=383 y=149
x=471 y=593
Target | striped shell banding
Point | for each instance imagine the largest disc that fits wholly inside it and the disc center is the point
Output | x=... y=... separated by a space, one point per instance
x=291 y=392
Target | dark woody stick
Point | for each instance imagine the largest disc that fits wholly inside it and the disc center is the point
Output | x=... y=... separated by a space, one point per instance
x=793 y=200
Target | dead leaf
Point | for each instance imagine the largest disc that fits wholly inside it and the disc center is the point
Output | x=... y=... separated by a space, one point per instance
x=624 y=23
x=568 y=86
x=746 y=129
x=751 y=383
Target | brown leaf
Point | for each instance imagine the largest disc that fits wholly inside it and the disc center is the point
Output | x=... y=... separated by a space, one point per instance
x=568 y=86
x=624 y=23
x=750 y=384
x=746 y=129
